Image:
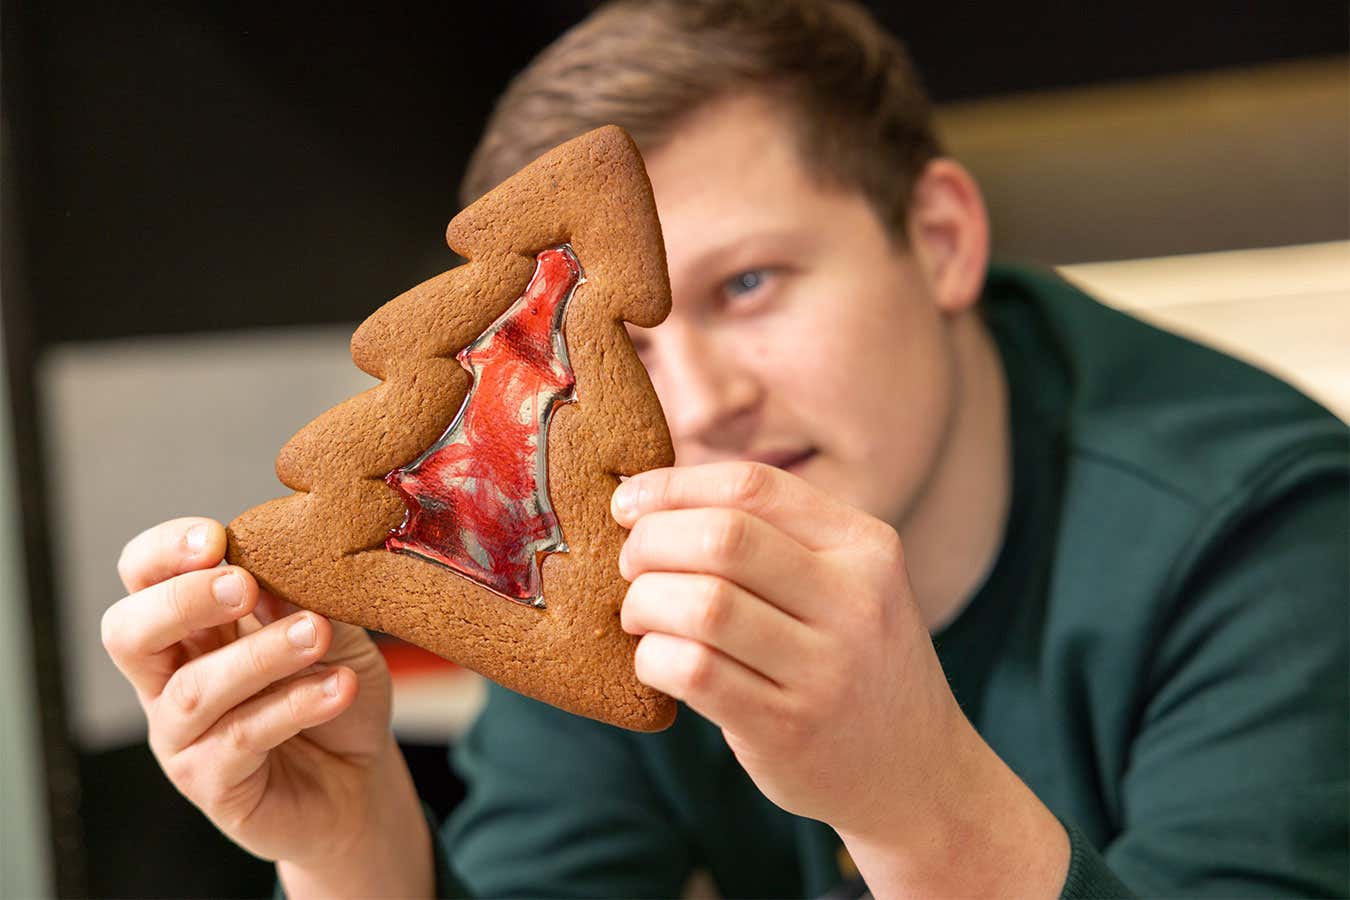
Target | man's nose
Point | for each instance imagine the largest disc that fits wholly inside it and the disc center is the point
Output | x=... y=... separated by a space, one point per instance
x=705 y=390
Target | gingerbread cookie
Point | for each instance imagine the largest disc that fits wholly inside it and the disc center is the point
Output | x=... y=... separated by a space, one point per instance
x=463 y=504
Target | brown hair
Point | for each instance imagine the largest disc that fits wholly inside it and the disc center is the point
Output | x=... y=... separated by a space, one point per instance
x=861 y=116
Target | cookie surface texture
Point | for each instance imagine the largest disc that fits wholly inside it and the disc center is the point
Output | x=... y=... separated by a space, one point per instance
x=326 y=546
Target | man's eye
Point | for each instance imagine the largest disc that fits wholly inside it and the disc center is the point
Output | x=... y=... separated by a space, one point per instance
x=745 y=282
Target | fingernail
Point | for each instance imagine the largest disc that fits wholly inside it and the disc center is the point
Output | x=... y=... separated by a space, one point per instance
x=625 y=498
x=301 y=634
x=196 y=538
x=330 y=685
x=228 y=589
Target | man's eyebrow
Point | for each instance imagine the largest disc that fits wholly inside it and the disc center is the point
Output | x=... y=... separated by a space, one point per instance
x=745 y=250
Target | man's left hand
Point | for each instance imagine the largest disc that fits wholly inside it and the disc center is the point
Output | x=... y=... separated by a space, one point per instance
x=786 y=617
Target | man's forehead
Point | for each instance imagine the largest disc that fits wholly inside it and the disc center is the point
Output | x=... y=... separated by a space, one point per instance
x=744 y=146
x=744 y=119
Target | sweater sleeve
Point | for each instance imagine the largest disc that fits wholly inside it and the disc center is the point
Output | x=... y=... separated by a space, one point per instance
x=1089 y=877
x=1236 y=782
x=557 y=806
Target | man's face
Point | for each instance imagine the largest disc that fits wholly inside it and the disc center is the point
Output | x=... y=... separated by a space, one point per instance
x=800 y=334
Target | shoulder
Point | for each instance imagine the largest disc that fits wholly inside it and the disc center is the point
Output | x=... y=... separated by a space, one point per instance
x=1163 y=413
x=1168 y=455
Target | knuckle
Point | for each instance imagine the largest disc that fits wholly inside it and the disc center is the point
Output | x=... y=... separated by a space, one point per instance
x=712 y=607
x=179 y=601
x=164 y=754
x=642 y=661
x=867 y=613
x=697 y=673
x=181 y=772
x=256 y=658
x=749 y=483
x=126 y=569
x=635 y=598
x=110 y=632
x=889 y=546
x=215 y=797
x=725 y=536
x=238 y=737
x=136 y=564
x=636 y=542
x=226 y=809
x=184 y=691
x=659 y=491
x=795 y=725
x=628 y=608
x=643 y=585
x=297 y=709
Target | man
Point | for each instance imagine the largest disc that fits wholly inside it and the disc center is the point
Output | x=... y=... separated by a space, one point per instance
x=966 y=581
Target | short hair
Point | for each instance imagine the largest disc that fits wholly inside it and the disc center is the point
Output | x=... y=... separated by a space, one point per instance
x=861 y=116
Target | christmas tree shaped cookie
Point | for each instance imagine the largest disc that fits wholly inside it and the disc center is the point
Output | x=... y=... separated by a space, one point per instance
x=463 y=503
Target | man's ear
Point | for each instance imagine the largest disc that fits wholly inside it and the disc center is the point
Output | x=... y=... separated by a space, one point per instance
x=949 y=234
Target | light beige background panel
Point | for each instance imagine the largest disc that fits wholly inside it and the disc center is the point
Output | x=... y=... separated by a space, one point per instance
x=146 y=429
x=1185 y=164
x=1285 y=309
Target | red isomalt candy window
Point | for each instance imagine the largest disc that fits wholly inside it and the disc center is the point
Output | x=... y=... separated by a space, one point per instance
x=478 y=498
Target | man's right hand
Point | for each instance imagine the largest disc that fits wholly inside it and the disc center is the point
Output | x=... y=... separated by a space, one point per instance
x=273 y=721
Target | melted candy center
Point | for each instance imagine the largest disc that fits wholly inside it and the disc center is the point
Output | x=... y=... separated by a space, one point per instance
x=478 y=497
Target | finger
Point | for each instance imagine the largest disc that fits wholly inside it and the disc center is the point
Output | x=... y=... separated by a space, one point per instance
x=718 y=613
x=236 y=747
x=731 y=544
x=715 y=685
x=141 y=631
x=168 y=549
x=271 y=607
x=805 y=513
x=204 y=690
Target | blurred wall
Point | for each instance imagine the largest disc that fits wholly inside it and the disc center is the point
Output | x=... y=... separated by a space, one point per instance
x=1192 y=163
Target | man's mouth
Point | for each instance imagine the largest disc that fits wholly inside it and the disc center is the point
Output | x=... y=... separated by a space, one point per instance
x=787 y=460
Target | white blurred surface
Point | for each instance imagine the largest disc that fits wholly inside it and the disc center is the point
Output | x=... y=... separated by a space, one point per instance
x=143 y=430
x=1285 y=309
x=434 y=707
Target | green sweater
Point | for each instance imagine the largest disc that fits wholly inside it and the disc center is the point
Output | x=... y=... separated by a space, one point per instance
x=1160 y=653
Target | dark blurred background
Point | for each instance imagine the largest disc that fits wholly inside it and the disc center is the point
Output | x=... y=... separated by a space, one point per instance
x=202 y=169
